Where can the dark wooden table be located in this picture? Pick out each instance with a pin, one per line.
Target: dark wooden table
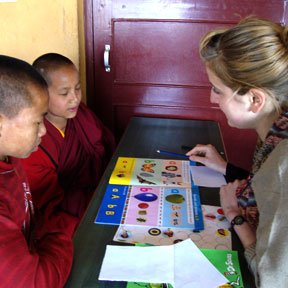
(141, 139)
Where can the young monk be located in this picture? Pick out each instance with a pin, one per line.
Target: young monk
(35, 250)
(247, 66)
(74, 152)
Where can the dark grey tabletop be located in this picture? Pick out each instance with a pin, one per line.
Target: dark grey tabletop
(141, 139)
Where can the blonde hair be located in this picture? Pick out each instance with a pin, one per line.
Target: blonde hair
(252, 54)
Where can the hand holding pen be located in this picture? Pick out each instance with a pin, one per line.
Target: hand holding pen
(208, 156)
(173, 154)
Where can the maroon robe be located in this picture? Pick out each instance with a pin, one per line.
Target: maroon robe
(75, 162)
(38, 255)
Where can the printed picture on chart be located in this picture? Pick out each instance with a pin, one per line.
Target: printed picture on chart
(216, 234)
(170, 207)
(158, 172)
(151, 206)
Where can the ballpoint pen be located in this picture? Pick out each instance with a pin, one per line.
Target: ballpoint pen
(172, 154)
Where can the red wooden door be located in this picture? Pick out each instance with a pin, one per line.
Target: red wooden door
(155, 66)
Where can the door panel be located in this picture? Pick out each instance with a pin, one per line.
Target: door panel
(158, 53)
(155, 65)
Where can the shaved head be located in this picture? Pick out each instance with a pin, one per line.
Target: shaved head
(50, 62)
(16, 79)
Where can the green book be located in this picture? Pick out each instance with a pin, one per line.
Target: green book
(226, 261)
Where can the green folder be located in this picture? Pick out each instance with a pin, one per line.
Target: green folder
(226, 261)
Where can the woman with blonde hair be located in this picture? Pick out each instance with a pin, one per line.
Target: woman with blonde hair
(247, 66)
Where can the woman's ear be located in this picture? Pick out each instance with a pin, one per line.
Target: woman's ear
(257, 99)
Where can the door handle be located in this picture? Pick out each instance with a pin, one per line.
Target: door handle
(106, 58)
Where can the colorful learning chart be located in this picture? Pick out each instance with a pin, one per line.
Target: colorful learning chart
(216, 234)
(151, 172)
(152, 192)
(173, 207)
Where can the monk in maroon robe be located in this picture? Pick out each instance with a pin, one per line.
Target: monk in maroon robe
(36, 248)
(72, 165)
(77, 147)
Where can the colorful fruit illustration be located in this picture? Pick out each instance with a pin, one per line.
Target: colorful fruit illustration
(175, 198)
(146, 197)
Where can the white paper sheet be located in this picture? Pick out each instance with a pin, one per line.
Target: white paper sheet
(138, 264)
(193, 270)
(206, 177)
(183, 265)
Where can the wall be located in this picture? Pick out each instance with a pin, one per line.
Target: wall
(29, 28)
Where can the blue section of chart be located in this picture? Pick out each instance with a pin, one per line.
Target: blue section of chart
(112, 205)
(175, 208)
(197, 210)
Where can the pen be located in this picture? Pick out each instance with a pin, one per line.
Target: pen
(172, 154)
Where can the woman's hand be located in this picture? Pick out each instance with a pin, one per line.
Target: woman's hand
(230, 207)
(208, 156)
(228, 199)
